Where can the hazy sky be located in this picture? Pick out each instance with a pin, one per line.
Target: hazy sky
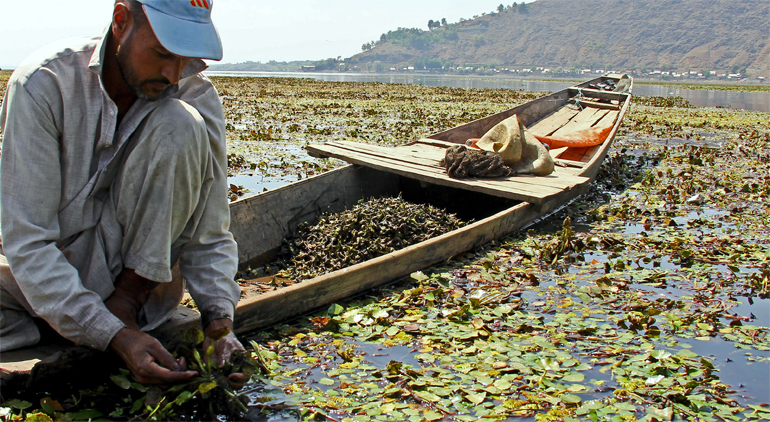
(257, 30)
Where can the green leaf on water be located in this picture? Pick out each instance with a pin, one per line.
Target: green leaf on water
(625, 406)
(476, 398)
(18, 404)
(206, 387)
(183, 397)
(335, 309)
(574, 377)
(138, 404)
(427, 396)
(654, 380)
(326, 381)
(379, 313)
(571, 398)
(687, 354)
(121, 381)
(50, 405)
(440, 391)
(665, 414)
(503, 385)
(760, 409)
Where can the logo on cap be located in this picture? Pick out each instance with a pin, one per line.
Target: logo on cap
(199, 3)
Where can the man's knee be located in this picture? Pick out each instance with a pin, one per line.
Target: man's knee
(175, 127)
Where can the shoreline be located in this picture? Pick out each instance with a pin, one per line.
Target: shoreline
(764, 86)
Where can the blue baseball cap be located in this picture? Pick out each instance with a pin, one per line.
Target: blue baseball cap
(184, 27)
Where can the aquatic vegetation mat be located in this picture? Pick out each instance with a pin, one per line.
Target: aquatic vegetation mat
(646, 299)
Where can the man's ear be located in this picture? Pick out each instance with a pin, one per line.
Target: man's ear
(122, 21)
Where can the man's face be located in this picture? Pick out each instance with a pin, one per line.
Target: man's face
(146, 66)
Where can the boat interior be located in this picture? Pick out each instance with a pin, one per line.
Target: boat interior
(261, 223)
(576, 120)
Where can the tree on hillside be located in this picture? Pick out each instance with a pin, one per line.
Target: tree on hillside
(523, 9)
(513, 6)
(443, 22)
(434, 24)
(500, 8)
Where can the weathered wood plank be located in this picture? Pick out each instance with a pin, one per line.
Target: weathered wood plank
(583, 154)
(608, 120)
(408, 154)
(554, 153)
(503, 187)
(527, 113)
(587, 119)
(430, 155)
(595, 104)
(533, 189)
(554, 122)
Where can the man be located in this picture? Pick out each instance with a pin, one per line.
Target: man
(114, 170)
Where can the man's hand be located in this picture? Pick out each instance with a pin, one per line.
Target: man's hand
(224, 348)
(147, 359)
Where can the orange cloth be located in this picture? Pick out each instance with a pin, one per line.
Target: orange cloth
(582, 138)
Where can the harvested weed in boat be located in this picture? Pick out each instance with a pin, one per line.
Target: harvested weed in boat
(370, 229)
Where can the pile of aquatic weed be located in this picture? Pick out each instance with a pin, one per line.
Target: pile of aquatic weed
(370, 229)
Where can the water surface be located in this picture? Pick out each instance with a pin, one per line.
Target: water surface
(753, 101)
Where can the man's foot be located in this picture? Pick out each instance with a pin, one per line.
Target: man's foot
(131, 292)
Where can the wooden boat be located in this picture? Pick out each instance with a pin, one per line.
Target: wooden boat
(498, 207)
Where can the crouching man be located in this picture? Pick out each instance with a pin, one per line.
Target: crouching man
(113, 171)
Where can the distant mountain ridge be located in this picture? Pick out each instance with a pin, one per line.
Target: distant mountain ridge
(724, 35)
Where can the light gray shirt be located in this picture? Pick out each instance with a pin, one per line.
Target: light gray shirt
(60, 133)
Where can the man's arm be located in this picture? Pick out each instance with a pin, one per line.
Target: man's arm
(209, 259)
(30, 191)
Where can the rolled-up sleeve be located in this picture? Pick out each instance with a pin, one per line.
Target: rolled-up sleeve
(209, 260)
(31, 194)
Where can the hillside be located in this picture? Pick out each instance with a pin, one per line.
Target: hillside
(724, 35)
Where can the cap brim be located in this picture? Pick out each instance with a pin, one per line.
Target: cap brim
(185, 38)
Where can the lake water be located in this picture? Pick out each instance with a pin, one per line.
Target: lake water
(755, 101)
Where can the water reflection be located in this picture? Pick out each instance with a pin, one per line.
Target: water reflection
(754, 101)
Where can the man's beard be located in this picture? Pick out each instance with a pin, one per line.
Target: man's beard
(128, 73)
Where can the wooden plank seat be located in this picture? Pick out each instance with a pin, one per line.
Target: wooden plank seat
(420, 160)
